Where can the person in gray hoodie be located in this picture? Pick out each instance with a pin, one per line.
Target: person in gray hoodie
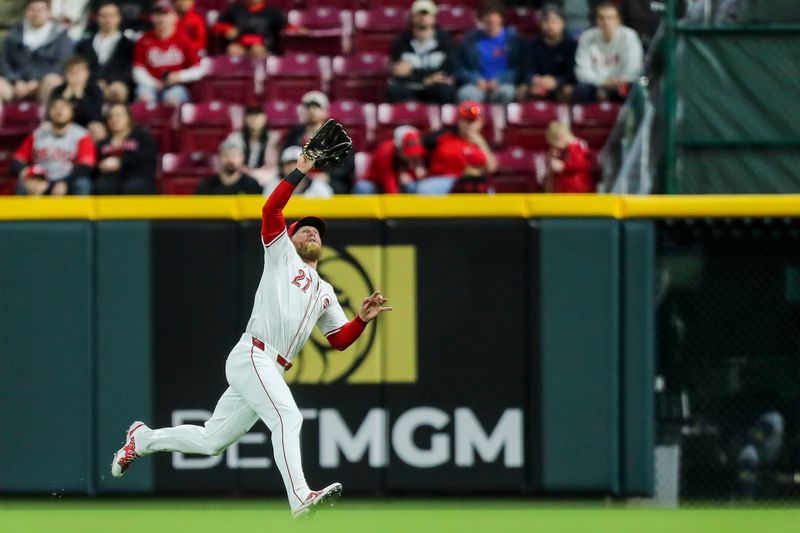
(34, 53)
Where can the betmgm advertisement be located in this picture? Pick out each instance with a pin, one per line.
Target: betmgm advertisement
(420, 402)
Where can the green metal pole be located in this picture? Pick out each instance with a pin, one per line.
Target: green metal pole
(670, 100)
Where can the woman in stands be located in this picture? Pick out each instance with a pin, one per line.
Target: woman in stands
(260, 145)
(126, 159)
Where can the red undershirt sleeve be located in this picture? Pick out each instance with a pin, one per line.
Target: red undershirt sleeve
(347, 335)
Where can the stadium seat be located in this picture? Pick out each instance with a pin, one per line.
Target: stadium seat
(282, 114)
(518, 170)
(160, 119)
(290, 76)
(350, 5)
(377, 28)
(494, 121)
(458, 20)
(422, 116)
(360, 77)
(180, 173)
(17, 120)
(229, 79)
(318, 30)
(358, 119)
(525, 19)
(203, 126)
(526, 124)
(593, 122)
(8, 183)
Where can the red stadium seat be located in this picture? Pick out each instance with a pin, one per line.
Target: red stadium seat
(518, 170)
(422, 116)
(17, 121)
(282, 114)
(180, 173)
(377, 28)
(350, 5)
(290, 76)
(229, 79)
(358, 119)
(527, 123)
(160, 119)
(203, 126)
(458, 20)
(318, 30)
(593, 122)
(360, 77)
(525, 19)
(8, 183)
(494, 121)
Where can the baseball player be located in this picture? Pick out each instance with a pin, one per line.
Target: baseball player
(290, 299)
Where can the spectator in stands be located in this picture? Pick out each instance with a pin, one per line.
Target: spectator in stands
(33, 56)
(490, 58)
(110, 54)
(84, 94)
(191, 24)
(72, 15)
(135, 14)
(423, 60)
(315, 114)
(260, 145)
(569, 162)
(453, 150)
(164, 60)
(309, 188)
(396, 164)
(57, 158)
(608, 59)
(251, 27)
(551, 60)
(127, 158)
(230, 179)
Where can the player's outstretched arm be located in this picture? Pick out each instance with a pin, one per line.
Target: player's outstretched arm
(272, 221)
(371, 307)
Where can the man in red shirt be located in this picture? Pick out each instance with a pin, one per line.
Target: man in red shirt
(453, 151)
(164, 59)
(191, 24)
(570, 162)
(396, 164)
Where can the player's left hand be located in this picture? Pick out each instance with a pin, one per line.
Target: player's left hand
(372, 306)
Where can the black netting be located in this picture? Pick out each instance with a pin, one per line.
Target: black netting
(729, 356)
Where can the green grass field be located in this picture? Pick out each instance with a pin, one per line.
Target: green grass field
(487, 516)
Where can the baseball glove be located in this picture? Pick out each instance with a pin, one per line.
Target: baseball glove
(329, 145)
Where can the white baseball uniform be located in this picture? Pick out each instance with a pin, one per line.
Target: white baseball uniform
(290, 299)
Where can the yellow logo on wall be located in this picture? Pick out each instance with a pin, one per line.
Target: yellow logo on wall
(387, 351)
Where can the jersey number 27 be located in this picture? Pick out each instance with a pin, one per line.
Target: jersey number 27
(301, 275)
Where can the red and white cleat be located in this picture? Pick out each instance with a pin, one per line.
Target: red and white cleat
(127, 454)
(317, 498)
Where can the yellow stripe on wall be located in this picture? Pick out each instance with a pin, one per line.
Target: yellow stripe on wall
(401, 206)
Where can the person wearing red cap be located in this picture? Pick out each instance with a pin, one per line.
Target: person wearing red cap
(291, 298)
(396, 164)
(453, 150)
(164, 60)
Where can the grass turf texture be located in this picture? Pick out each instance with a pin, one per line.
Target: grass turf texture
(236, 516)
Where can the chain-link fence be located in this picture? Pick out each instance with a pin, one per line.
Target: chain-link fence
(729, 357)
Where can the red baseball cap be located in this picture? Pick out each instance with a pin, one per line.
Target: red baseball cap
(411, 144)
(314, 222)
(162, 6)
(474, 156)
(469, 110)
